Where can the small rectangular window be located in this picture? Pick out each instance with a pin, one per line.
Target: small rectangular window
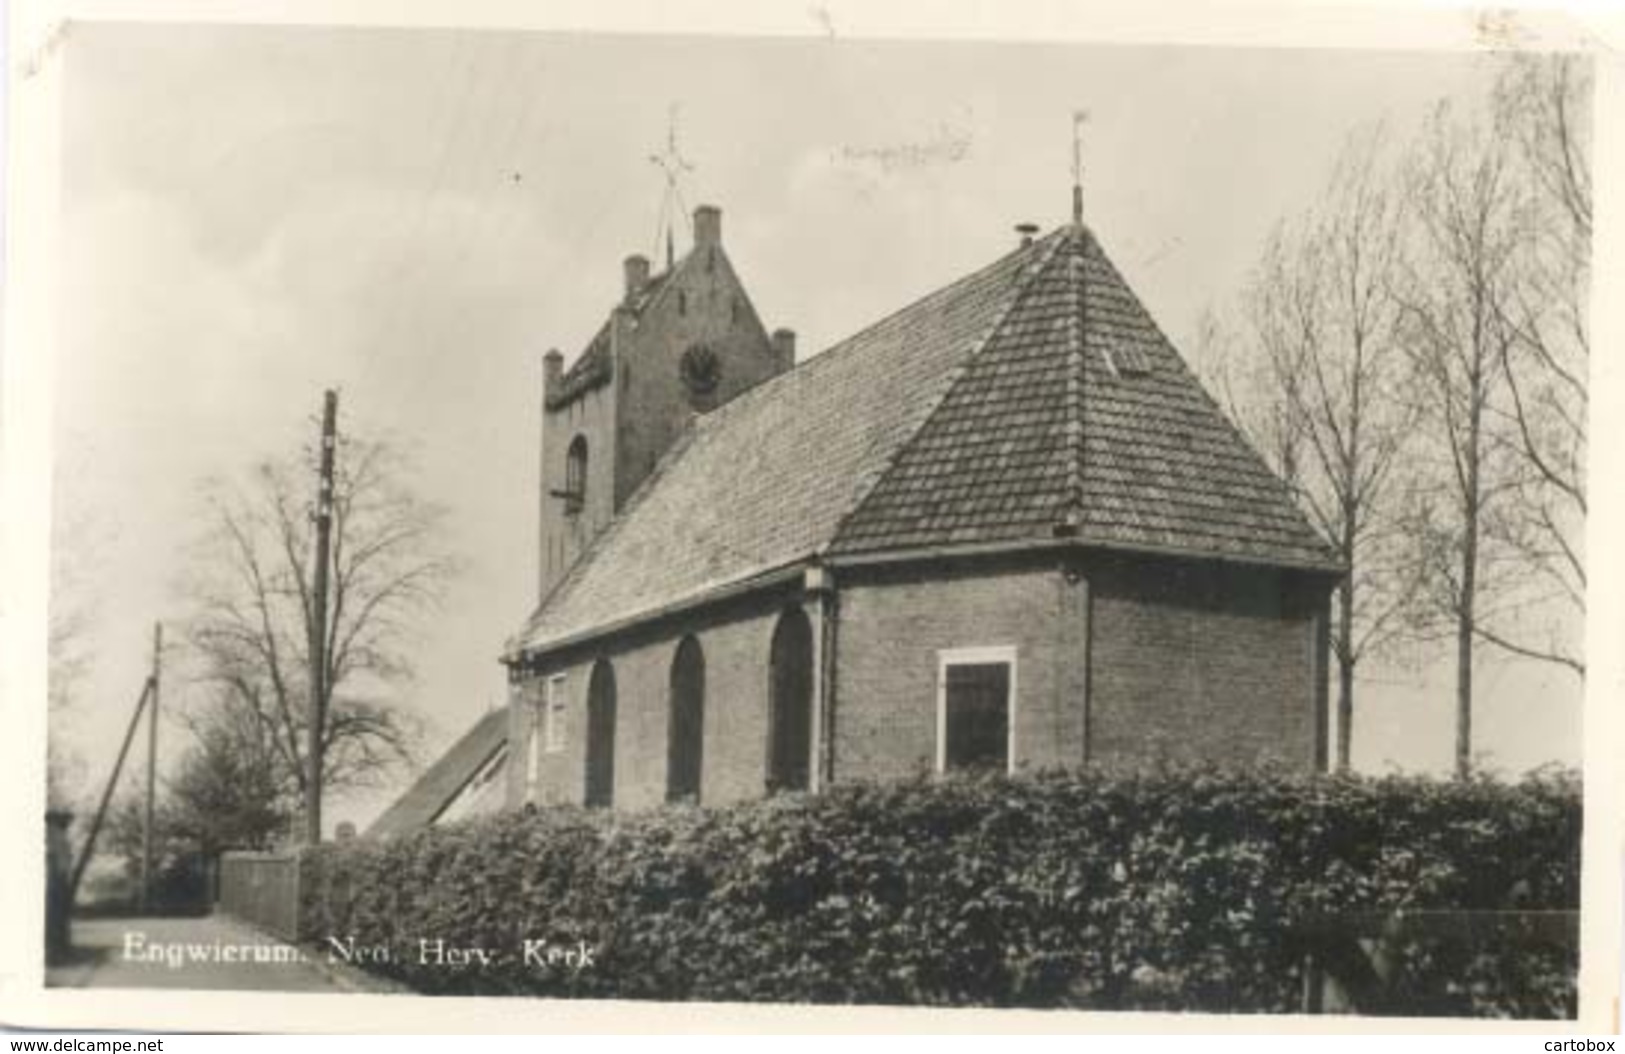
(976, 709)
(554, 716)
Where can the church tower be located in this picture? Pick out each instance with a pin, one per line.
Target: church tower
(681, 342)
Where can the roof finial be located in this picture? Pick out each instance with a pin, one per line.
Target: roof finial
(673, 164)
(1078, 119)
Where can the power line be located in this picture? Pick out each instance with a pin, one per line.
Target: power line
(492, 228)
(395, 283)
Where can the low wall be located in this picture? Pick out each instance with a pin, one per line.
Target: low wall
(262, 889)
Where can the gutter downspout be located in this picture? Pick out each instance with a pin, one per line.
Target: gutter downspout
(826, 602)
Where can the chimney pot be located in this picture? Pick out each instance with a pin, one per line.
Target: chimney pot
(784, 343)
(552, 372)
(707, 225)
(636, 269)
(1027, 231)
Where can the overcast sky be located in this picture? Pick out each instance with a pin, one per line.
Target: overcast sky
(252, 215)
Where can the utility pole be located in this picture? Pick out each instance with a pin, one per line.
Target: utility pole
(89, 849)
(152, 768)
(318, 621)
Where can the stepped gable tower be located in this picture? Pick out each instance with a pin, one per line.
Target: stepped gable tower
(678, 343)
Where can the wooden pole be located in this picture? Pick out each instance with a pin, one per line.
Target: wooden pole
(152, 768)
(107, 793)
(318, 621)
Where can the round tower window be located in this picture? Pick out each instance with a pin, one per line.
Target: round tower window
(701, 370)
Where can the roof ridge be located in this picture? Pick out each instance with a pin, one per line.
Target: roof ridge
(1048, 247)
(1077, 337)
(823, 358)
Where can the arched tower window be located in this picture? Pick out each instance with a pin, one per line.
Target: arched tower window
(685, 735)
(600, 790)
(575, 475)
(789, 703)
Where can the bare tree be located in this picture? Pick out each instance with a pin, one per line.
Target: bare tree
(69, 625)
(1322, 311)
(65, 667)
(252, 602)
(1543, 103)
(1415, 368)
(1473, 236)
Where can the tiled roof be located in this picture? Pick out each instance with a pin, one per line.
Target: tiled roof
(995, 459)
(1080, 414)
(1031, 399)
(445, 779)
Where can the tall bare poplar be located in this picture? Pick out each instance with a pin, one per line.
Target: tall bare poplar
(1322, 310)
(1544, 105)
(1472, 232)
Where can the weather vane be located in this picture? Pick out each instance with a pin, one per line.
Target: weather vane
(1079, 117)
(672, 164)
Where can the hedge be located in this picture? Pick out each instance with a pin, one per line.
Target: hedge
(1169, 890)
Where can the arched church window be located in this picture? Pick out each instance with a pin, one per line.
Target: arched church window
(575, 475)
(600, 790)
(789, 703)
(685, 730)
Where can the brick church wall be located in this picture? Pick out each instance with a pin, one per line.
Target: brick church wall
(1195, 661)
(889, 637)
(522, 695)
(736, 653)
(1117, 661)
(735, 748)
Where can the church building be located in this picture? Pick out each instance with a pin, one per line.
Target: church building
(1003, 528)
